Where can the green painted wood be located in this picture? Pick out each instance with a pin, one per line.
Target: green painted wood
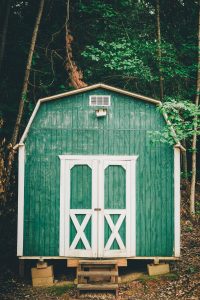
(81, 198)
(69, 126)
(115, 187)
(115, 198)
(81, 187)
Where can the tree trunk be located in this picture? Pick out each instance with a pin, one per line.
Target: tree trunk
(194, 139)
(23, 94)
(159, 49)
(75, 75)
(27, 74)
(3, 33)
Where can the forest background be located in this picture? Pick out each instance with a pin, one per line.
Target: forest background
(52, 46)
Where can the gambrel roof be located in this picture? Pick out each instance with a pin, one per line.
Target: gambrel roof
(92, 87)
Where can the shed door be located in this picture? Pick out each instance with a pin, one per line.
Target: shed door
(114, 219)
(81, 219)
(96, 196)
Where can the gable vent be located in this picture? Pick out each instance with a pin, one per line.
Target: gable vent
(99, 100)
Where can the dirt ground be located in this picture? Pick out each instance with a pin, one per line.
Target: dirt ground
(182, 283)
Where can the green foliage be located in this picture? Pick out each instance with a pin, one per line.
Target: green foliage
(192, 269)
(137, 59)
(181, 115)
(105, 10)
(119, 56)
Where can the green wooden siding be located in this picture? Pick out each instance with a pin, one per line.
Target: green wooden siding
(81, 187)
(70, 126)
(115, 198)
(81, 198)
(115, 187)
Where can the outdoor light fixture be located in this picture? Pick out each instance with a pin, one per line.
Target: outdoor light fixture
(101, 112)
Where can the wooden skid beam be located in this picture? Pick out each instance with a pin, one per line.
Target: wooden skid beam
(74, 262)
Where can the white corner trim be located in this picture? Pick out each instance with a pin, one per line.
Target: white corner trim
(133, 208)
(20, 220)
(30, 122)
(177, 196)
(62, 208)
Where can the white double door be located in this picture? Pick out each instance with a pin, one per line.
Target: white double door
(97, 208)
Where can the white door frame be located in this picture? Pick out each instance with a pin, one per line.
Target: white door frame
(67, 162)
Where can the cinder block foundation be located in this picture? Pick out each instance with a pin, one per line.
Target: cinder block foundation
(42, 276)
(159, 269)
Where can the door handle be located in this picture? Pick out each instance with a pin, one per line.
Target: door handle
(97, 209)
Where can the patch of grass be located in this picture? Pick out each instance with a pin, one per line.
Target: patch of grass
(145, 278)
(188, 228)
(59, 290)
(192, 269)
(169, 276)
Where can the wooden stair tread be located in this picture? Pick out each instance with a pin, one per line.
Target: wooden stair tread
(101, 286)
(97, 273)
(97, 262)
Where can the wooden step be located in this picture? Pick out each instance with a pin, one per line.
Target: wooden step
(97, 273)
(98, 262)
(96, 287)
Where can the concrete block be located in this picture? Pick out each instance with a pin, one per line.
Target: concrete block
(42, 276)
(42, 273)
(159, 269)
(46, 281)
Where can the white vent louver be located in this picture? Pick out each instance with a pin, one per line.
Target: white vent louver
(99, 100)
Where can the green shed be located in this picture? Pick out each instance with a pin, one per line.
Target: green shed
(91, 181)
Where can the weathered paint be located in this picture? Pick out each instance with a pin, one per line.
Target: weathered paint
(70, 126)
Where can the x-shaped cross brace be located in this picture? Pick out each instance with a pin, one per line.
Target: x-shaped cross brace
(115, 232)
(80, 231)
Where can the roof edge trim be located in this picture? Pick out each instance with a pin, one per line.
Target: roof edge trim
(100, 85)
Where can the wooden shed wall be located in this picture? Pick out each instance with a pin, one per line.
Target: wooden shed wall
(69, 126)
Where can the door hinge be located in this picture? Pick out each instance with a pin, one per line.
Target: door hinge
(97, 209)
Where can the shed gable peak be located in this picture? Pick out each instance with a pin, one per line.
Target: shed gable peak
(90, 88)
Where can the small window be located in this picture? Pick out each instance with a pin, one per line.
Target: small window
(99, 100)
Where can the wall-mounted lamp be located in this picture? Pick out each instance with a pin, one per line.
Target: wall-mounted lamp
(101, 112)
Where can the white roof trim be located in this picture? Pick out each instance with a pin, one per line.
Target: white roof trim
(92, 87)
(100, 85)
